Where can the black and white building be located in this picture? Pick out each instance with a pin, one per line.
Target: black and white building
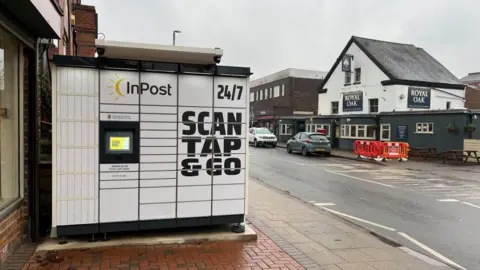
(372, 76)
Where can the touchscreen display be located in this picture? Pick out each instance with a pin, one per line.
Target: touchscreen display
(119, 142)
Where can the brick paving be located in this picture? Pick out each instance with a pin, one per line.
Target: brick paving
(262, 254)
(291, 235)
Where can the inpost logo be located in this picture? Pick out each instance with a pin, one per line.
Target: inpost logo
(117, 80)
(136, 89)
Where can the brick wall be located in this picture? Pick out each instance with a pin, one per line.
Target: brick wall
(300, 95)
(472, 96)
(86, 27)
(304, 94)
(278, 106)
(14, 227)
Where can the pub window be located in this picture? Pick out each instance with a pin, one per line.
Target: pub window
(335, 107)
(424, 128)
(285, 129)
(357, 132)
(348, 77)
(385, 132)
(358, 75)
(373, 105)
(316, 127)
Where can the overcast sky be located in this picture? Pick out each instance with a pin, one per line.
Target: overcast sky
(271, 35)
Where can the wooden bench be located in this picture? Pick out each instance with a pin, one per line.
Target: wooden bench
(424, 152)
(471, 144)
(461, 155)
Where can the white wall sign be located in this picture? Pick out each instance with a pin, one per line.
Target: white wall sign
(230, 92)
(195, 90)
(158, 89)
(118, 167)
(119, 87)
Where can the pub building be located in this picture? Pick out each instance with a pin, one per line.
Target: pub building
(378, 90)
(24, 25)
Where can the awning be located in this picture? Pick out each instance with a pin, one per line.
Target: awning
(161, 53)
(39, 17)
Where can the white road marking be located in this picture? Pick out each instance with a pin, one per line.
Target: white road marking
(324, 204)
(422, 257)
(359, 219)
(431, 251)
(361, 179)
(286, 160)
(353, 171)
(447, 200)
(471, 204)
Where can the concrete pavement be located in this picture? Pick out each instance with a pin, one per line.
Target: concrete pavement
(321, 241)
(427, 211)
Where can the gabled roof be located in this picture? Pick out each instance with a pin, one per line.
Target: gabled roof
(471, 77)
(402, 63)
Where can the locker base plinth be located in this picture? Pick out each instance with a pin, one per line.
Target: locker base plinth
(144, 225)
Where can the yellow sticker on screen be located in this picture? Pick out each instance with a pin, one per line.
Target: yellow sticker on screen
(119, 143)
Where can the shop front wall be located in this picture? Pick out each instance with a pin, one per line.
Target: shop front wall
(323, 123)
(428, 130)
(356, 128)
(476, 122)
(285, 130)
(13, 213)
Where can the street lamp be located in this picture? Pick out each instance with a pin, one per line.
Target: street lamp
(174, 33)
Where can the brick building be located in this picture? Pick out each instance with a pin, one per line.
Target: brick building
(288, 92)
(472, 91)
(31, 32)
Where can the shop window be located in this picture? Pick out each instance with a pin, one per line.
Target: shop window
(385, 132)
(335, 107)
(316, 127)
(366, 132)
(285, 129)
(358, 75)
(9, 119)
(424, 128)
(373, 105)
(348, 78)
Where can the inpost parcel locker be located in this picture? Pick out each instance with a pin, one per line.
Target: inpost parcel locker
(145, 144)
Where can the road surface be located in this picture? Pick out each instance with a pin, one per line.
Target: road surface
(428, 211)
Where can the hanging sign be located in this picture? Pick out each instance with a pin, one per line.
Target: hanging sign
(347, 63)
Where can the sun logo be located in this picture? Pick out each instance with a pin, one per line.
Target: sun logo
(116, 86)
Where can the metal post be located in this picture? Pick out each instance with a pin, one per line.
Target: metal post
(174, 33)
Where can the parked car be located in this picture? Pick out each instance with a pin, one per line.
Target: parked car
(309, 143)
(262, 137)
